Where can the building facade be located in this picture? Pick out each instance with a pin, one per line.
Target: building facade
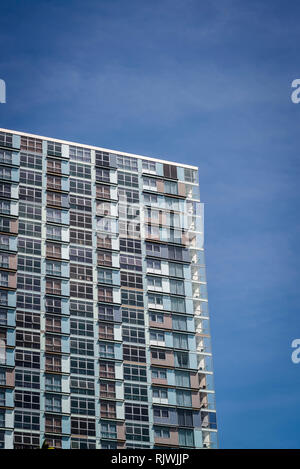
(104, 324)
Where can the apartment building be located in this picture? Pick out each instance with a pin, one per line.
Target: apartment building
(104, 323)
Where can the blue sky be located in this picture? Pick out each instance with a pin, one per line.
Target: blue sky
(207, 83)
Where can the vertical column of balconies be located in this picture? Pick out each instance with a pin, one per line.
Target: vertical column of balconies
(195, 223)
(55, 291)
(9, 178)
(110, 391)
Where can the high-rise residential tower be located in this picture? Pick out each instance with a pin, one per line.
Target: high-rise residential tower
(104, 325)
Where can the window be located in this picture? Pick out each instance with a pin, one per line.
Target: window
(31, 160)
(53, 268)
(26, 441)
(80, 170)
(28, 339)
(53, 363)
(156, 317)
(134, 354)
(137, 432)
(190, 175)
(30, 229)
(81, 328)
(158, 354)
(157, 373)
(106, 331)
(29, 246)
(177, 287)
(131, 280)
(30, 177)
(106, 350)
(54, 182)
(134, 392)
(82, 386)
(77, 443)
(128, 180)
(179, 323)
(133, 316)
(5, 190)
(185, 418)
(186, 437)
(130, 245)
(28, 264)
(81, 308)
(181, 359)
(81, 272)
(5, 207)
(53, 324)
(80, 187)
(80, 237)
(31, 144)
(27, 379)
(102, 175)
(105, 294)
(107, 370)
(108, 430)
(52, 403)
(5, 157)
(53, 287)
(149, 184)
(150, 199)
(53, 343)
(157, 338)
(28, 320)
(27, 359)
(3, 279)
(53, 250)
(82, 220)
(160, 432)
(178, 305)
(53, 383)
(27, 420)
(135, 373)
(53, 166)
(105, 276)
(54, 232)
(54, 149)
(30, 194)
(107, 390)
(80, 154)
(5, 173)
(104, 258)
(82, 347)
(82, 366)
(81, 290)
(131, 262)
(53, 305)
(175, 270)
(108, 410)
(153, 249)
(180, 341)
(29, 301)
(53, 215)
(149, 166)
(170, 171)
(82, 406)
(126, 162)
(155, 301)
(80, 203)
(133, 334)
(132, 298)
(102, 158)
(53, 424)
(136, 412)
(161, 413)
(154, 283)
(128, 195)
(4, 242)
(28, 282)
